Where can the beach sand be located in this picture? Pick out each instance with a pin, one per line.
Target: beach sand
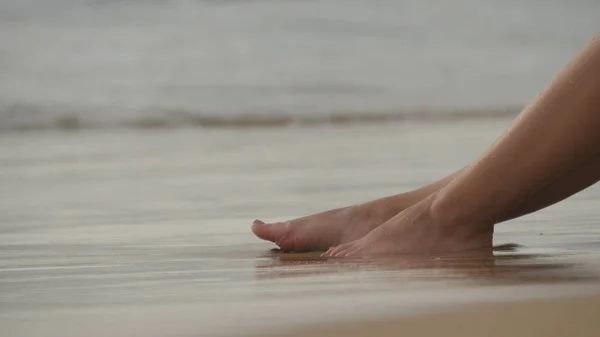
(146, 233)
(574, 316)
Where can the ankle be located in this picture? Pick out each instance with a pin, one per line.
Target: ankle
(458, 216)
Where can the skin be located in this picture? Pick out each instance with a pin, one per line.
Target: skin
(319, 232)
(556, 134)
(550, 152)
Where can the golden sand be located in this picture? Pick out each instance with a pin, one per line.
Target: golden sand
(576, 317)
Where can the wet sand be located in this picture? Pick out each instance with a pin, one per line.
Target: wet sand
(123, 232)
(573, 316)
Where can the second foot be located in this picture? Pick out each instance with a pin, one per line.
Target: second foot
(414, 231)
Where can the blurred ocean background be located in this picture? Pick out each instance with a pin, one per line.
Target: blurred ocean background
(127, 63)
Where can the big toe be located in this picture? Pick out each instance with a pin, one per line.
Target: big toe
(267, 231)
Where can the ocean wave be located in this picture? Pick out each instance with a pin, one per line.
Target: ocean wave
(20, 118)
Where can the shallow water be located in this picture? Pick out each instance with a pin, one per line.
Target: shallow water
(147, 232)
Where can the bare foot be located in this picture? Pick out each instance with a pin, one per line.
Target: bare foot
(321, 231)
(416, 231)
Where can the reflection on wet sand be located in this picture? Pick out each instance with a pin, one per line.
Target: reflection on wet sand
(503, 265)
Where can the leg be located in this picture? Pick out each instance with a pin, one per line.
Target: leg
(568, 184)
(327, 229)
(556, 134)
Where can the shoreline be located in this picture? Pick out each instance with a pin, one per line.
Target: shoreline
(243, 121)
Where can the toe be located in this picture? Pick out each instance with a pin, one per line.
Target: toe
(336, 250)
(267, 231)
(328, 252)
(345, 251)
(283, 234)
(351, 251)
